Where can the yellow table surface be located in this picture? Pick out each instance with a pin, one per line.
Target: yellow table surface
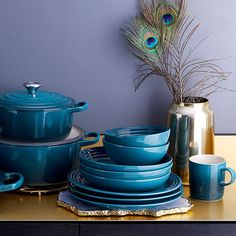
(24, 207)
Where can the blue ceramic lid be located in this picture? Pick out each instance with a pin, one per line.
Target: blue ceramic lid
(32, 99)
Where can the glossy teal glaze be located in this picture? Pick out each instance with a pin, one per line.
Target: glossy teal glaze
(98, 158)
(40, 100)
(48, 124)
(125, 175)
(114, 206)
(139, 136)
(16, 180)
(44, 164)
(127, 155)
(207, 177)
(120, 185)
(117, 200)
(37, 116)
(77, 181)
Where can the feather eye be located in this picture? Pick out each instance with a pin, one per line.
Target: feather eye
(167, 15)
(142, 37)
(151, 40)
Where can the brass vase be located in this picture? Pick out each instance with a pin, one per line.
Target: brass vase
(192, 132)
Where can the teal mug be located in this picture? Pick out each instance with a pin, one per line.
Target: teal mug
(10, 181)
(207, 177)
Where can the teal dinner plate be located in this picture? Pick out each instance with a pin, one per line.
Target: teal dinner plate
(117, 200)
(76, 179)
(112, 206)
(98, 158)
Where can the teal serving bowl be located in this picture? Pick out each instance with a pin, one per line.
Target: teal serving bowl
(125, 175)
(99, 159)
(129, 155)
(139, 136)
(121, 185)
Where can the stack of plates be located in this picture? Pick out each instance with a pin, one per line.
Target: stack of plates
(105, 198)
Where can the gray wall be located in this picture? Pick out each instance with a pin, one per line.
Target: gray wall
(73, 47)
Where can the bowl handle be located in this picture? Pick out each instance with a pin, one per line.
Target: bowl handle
(79, 106)
(16, 180)
(94, 135)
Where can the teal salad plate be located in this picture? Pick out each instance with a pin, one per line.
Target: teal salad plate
(125, 175)
(79, 183)
(132, 185)
(105, 205)
(98, 158)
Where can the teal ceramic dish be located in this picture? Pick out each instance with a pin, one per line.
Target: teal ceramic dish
(10, 181)
(139, 136)
(125, 175)
(121, 185)
(44, 163)
(127, 155)
(37, 115)
(118, 200)
(77, 181)
(98, 158)
(207, 180)
(113, 206)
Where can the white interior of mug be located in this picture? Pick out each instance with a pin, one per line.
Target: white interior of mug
(207, 159)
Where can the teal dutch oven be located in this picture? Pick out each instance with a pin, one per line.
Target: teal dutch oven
(35, 115)
(45, 163)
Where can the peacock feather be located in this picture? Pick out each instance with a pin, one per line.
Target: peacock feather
(158, 36)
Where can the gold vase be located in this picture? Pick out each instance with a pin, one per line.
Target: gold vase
(192, 132)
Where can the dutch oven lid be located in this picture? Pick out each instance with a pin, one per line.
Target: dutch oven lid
(32, 99)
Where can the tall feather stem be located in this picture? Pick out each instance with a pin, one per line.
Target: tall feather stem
(159, 36)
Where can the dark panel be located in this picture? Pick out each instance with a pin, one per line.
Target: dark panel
(39, 229)
(166, 229)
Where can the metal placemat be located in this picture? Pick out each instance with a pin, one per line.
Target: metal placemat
(66, 200)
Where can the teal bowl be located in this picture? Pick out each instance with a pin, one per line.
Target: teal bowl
(120, 185)
(125, 175)
(139, 136)
(129, 155)
(99, 159)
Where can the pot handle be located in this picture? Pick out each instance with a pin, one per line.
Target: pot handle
(93, 135)
(79, 106)
(15, 181)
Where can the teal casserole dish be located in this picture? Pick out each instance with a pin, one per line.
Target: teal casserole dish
(44, 163)
(33, 115)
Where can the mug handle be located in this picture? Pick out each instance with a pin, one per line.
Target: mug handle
(93, 135)
(17, 178)
(232, 174)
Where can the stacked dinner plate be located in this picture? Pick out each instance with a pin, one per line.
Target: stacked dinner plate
(101, 180)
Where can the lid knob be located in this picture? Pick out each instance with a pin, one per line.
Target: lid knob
(32, 87)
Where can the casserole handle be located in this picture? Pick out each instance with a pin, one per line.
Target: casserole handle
(95, 138)
(79, 106)
(15, 181)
